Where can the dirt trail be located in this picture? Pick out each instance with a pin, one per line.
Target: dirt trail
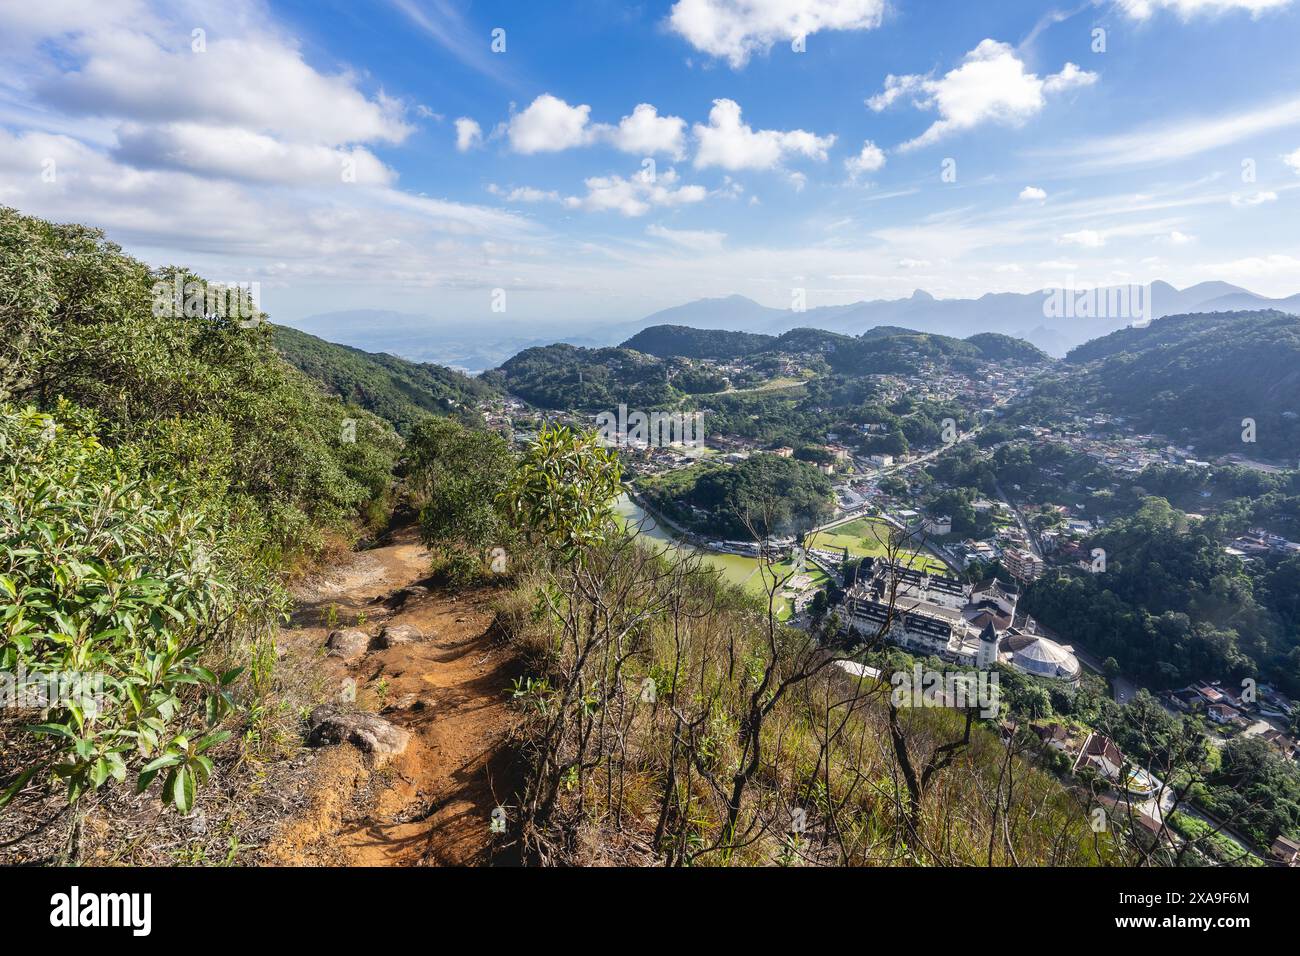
(431, 804)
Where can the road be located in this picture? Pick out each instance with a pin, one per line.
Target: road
(1020, 520)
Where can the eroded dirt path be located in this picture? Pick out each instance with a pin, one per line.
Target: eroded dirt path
(432, 803)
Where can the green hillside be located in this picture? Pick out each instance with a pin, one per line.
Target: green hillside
(398, 391)
(565, 376)
(902, 353)
(164, 469)
(996, 347)
(1196, 377)
(669, 341)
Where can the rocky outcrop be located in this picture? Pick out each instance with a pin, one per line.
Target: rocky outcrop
(348, 644)
(366, 732)
(395, 634)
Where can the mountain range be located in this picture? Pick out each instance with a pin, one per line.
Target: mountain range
(1021, 315)
(475, 347)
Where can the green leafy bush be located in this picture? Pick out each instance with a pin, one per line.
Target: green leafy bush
(112, 590)
(199, 395)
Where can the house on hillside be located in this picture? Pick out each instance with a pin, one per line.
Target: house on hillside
(1285, 851)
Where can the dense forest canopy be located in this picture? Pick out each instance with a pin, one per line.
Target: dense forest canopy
(671, 341)
(568, 377)
(1197, 379)
(764, 494)
(1172, 607)
(996, 347)
(398, 391)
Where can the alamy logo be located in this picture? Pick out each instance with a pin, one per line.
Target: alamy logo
(44, 689)
(1131, 302)
(75, 909)
(656, 430)
(920, 687)
(236, 301)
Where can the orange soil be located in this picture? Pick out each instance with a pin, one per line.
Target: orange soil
(432, 805)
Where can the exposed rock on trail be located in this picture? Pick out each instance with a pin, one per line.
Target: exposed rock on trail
(396, 634)
(419, 784)
(366, 732)
(349, 644)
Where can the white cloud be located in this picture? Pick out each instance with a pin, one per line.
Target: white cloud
(1088, 238)
(524, 194)
(636, 195)
(468, 134)
(1033, 194)
(730, 144)
(736, 29)
(646, 133)
(242, 104)
(239, 158)
(259, 84)
(549, 125)
(1144, 9)
(1254, 199)
(1293, 160)
(991, 85)
(1152, 143)
(1070, 77)
(699, 240)
(210, 223)
(38, 21)
(235, 153)
(871, 159)
(1180, 238)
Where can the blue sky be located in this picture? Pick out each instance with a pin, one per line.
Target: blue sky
(616, 158)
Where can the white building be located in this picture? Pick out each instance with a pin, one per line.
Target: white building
(937, 525)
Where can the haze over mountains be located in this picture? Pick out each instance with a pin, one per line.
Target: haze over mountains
(480, 345)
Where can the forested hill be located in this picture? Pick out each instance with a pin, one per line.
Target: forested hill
(570, 377)
(885, 348)
(1196, 378)
(670, 341)
(398, 391)
(996, 347)
(663, 364)
(906, 352)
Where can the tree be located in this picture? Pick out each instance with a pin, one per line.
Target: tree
(562, 489)
(818, 608)
(1031, 700)
(198, 392)
(112, 589)
(459, 476)
(781, 494)
(893, 485)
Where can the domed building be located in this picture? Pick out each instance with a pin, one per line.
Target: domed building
(1038, 656)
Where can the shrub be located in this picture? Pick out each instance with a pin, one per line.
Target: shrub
(112, 592)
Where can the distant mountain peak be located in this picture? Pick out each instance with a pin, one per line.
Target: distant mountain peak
(920, 295)
(1214, 288)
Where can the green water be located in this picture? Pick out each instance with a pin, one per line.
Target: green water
(736, 568)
